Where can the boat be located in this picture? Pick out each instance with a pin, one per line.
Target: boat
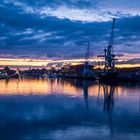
(6, 76)
(79, 71)
(108, 75)
(88, 73)
(17, 74)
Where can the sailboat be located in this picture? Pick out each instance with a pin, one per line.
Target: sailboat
(87, 72)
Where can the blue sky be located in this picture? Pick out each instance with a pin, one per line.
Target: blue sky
(61, 28)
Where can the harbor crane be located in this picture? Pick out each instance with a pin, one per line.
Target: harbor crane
(109, 52)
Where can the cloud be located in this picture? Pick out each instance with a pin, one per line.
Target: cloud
(62, 28)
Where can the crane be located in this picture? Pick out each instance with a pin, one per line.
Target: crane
(109, 52)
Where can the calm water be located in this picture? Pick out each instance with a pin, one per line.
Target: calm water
(68, 110)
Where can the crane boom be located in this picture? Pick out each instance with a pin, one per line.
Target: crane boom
(112, 33)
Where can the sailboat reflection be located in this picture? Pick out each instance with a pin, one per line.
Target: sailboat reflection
(86, 85)
(6, 82)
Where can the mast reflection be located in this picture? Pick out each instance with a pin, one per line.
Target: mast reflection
(108, 104)
(86, 85)
(108, 97)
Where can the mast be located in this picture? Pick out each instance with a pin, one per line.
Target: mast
(87, 53)
(86, 58)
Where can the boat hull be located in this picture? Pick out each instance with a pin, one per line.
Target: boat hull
(108, 76)
(80, 77)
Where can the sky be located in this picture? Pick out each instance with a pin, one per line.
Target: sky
(61, 28)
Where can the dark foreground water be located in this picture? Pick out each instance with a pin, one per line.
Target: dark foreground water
(68, 110)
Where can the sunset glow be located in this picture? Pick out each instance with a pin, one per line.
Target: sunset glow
(46, 62)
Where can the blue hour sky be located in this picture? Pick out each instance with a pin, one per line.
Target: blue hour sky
(61, 28)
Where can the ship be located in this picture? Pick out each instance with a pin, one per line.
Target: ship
(87, 72)
(110, 72)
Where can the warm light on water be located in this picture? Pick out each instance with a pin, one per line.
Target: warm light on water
(57, 109)
(59, 86)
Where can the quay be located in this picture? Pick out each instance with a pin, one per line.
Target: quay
(124, 74)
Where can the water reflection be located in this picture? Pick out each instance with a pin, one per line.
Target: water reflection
(108, 91)
(108, 97)
(108, 104)
(58, 109)
(85, 82)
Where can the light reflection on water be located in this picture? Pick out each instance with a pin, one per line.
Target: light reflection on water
(57, 109)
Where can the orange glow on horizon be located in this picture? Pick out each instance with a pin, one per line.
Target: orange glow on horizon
(45, 62)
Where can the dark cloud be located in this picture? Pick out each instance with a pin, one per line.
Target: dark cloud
(24, 30)
(56, 3)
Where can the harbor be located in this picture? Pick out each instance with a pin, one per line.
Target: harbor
(109, 72)
(70, 70)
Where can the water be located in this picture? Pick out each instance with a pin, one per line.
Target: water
(55, 109)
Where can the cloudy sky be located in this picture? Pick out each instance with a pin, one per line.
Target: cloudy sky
(61, 28)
